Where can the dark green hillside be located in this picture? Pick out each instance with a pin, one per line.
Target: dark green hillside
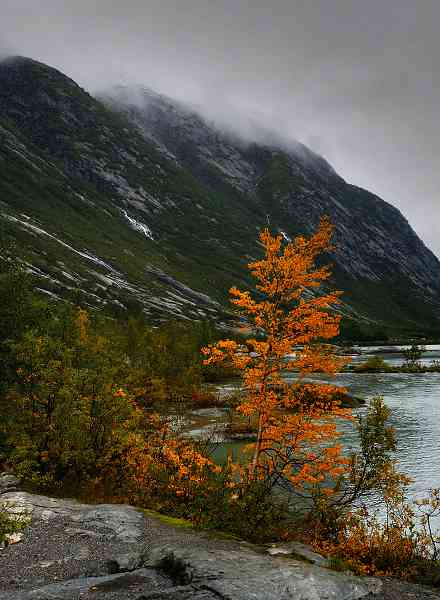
(156, 208)
(79, 166)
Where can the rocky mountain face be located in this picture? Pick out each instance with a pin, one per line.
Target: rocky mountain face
(135, 198)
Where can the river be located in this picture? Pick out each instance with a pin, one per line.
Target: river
(414, 400)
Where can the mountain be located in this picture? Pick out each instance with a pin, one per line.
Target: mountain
(133, 198)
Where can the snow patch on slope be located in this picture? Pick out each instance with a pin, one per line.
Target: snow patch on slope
(138, 226)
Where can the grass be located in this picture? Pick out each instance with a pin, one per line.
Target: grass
(167, 520)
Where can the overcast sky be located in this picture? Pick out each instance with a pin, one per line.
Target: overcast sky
(356, 80)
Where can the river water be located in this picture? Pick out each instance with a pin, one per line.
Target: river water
(414, 400)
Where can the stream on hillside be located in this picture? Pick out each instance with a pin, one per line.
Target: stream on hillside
(414, 400)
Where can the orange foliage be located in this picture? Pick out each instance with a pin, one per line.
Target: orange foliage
(148, 464)
(82, 323)
(401, 544)
(296, 422)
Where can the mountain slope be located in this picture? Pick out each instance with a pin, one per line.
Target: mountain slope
(145, 202)
(379, 261)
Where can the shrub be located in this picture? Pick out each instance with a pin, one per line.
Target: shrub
(64, 406)
(414, 354)
(400, 545)
(374, 364)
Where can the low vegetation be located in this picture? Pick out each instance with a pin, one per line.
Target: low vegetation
(412, 364)
(88, 406)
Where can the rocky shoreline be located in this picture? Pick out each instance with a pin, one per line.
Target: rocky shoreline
(73, 551)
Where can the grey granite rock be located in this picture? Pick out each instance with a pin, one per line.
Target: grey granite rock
(125, 562)
(8, 483)
(121, 586)
(298, 550)
(185, 592)
(238, 572)
(74, 551)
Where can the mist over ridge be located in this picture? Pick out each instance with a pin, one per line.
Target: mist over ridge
(356, 82)
(153, 206)
(241, 129)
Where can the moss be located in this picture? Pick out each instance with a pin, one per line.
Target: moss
(295, 556)
(335, 563)
(167, 520)
(223, 535)
(300, 558)
(185, 524)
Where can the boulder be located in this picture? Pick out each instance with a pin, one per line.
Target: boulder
(300, 551)
(8, 483)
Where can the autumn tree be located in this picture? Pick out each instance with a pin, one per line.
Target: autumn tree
(296, 429)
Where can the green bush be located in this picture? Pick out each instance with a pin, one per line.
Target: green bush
(61, 367)
(375, 364)
(413, 355)
(60, 414)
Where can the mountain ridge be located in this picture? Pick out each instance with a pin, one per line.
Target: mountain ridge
(165, 204)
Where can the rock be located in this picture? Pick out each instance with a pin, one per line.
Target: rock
(349, 401)
(186, 592)
(82, 532)
(73, 551)
(298, 550)
(237, 572)
(121, 586)
(8, 483)
(241, 437)
(14, 538)
(46, 563)
(125, 562)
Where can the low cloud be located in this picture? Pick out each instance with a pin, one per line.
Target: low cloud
(356, 81)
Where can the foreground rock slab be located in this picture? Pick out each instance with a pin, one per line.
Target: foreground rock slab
(73, 551)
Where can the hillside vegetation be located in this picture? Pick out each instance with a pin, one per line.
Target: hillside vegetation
(148, 207)
(88, 407)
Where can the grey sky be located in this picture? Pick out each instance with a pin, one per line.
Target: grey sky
(356, 80)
